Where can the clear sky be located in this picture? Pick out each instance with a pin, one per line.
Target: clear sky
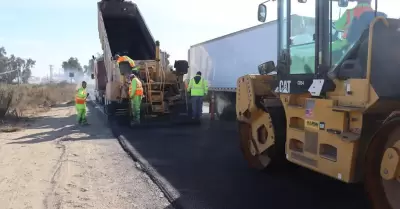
(51, 31)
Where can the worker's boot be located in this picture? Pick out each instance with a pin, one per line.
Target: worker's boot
(84, 123)
(133, 123)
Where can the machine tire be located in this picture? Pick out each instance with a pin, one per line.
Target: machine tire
(373, 181)
(257, 161)
(109, 110)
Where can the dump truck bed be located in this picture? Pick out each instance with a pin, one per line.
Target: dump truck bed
(122, 29)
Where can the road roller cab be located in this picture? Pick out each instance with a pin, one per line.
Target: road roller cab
(332, 105)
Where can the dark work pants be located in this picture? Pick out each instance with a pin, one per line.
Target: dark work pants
(197, 106)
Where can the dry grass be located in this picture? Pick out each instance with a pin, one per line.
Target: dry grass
(31, 98)
(9, 129)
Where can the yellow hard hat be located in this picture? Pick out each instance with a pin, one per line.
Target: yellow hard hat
(133, 63)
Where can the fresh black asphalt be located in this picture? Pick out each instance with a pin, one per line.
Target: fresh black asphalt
(202, 167)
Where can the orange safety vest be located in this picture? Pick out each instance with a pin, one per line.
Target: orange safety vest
(78, 99)
(139, 88)
(121, 59)
(125, 59)
(356, 13)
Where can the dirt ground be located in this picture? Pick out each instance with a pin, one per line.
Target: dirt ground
(53, 163)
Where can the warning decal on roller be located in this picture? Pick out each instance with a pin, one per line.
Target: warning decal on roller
(311, 124)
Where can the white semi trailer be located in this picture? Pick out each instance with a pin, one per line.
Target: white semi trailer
(223, 60)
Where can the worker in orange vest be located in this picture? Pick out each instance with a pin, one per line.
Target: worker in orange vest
(80, 104)
(135, 95)
(126, 59)
(344, 22)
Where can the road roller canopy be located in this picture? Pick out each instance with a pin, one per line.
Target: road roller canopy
(340, 38)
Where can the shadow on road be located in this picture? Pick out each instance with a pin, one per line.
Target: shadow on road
(202, 167)
(49, 128)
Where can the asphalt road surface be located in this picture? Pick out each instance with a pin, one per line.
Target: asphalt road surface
(203, 168)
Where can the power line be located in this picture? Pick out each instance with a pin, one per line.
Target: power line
(7, 72)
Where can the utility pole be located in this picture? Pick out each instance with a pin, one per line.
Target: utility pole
(51, 73)
(19, 77)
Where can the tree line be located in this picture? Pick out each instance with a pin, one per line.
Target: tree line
(14, 68)
(72, 65)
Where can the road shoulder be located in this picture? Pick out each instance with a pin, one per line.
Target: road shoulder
(52, 163)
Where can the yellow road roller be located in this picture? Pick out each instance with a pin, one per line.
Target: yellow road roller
(330, 102)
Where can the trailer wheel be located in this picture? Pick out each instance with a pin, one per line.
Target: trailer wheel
(217, 109)
(383, 194)
(224, 112)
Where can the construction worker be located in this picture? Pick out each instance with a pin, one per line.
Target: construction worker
(198, 88)
(135, 94)
(80, 104)
(126, 59)
(344, 22)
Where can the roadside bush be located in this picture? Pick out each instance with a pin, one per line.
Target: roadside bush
(19, 98)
